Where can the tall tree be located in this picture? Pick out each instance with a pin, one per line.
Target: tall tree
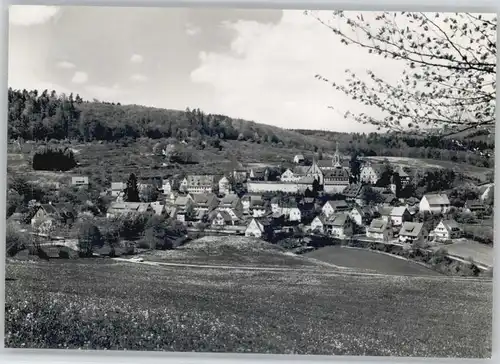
(355, 166)
(132, 191)
(448, 85)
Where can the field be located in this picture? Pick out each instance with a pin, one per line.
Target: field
(99, 304)
(369, 260)
(231, 251)
(480, 253)
(118, 160)
(470, 170)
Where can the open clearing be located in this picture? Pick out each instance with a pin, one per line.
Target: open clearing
(369, 260)
(480, 253)
(97, 304)
(472, 171)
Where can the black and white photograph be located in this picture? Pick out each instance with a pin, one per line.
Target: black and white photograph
(230, 180)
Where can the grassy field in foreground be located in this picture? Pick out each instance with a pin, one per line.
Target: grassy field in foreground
(369, 260)
(233, 251)
(96, 304)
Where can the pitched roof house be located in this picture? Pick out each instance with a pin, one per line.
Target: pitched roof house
(204, 201)
(399, 215)
(474, 206)
(380, 229)
(339, 226)
(412, 232)
(447, 230)
(231, 201)
(63, 213)
(259, 228)
(360, 215)
(318, 224)
(335, 206)
(221, 218)
(435, 203)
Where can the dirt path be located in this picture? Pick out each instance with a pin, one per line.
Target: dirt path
(344, 271)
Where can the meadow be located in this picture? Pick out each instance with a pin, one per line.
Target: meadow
(469, 170)
(370, 260)
(101, 304)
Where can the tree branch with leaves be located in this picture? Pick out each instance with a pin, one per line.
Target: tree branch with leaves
(448, 85)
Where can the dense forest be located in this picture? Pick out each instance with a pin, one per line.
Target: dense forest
(48, 115)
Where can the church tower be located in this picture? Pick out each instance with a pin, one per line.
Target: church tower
(337, 163)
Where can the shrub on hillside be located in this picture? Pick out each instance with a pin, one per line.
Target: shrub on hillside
(15, 240)
(54, 160)
(89, 237)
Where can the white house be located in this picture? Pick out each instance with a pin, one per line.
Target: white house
(399, 215)
(369, 174)
(357, 215)
(294, 214)
(380, 229)
(257, 228)
(80, 181)
(117, 187)
(333, 207)
(412, 232)
(221, 218)
(339, 226)
(435, 203)
(447, 230)
(298, 158)
(166, 187)
(318, 224)
(224, 186)
(289, 176)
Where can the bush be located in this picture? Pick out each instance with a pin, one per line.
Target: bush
(15, 241)
(89, 237)
(54, 160)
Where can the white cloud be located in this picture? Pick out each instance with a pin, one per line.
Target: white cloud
(80, 77)
(268, 75)
(65, 65)
(26, 15)
(136, 58)
(192, 30)
(138, 78)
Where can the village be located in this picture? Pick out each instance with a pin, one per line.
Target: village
(317, 199)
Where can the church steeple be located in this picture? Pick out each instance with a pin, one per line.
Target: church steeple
(336, 157)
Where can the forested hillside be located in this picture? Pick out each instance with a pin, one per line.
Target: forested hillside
(48, 115)
(476, 148)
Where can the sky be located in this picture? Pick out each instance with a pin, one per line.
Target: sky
(257, 65)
